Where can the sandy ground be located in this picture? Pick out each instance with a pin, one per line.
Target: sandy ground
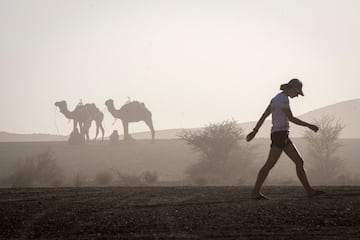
(178, 213)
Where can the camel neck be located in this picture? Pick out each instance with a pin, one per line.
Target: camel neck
(67, 113)
(114, 112)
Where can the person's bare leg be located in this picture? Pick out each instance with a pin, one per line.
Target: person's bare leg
(273, 157)
(295, 156)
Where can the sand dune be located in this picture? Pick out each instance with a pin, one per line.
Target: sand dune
(348, 113)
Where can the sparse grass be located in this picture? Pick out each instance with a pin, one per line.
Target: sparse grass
(80, 180)
(150, 177)
(146, 178)
(39, 170)
(170, 158)
(126, 179)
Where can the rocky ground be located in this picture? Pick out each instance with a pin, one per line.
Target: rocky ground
(178, 213)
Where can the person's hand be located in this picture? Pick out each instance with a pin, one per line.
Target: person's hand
(251, 135)
(314, 127)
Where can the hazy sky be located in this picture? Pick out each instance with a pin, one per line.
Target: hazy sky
(191, 62)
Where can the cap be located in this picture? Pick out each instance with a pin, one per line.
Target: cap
(297, 85)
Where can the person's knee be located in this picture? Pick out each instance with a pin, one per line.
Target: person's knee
(267, 166)
(299, 163)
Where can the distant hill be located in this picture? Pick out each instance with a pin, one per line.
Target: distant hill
(347, 112)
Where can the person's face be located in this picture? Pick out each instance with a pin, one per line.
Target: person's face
(293, 93)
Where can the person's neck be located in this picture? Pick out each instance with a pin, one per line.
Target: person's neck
(285, 92)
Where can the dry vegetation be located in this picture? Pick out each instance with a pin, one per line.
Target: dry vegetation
(85, 165)
(223, 158)
(170, 160)
(41, 170)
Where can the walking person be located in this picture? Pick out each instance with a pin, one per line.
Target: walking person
(281, 113)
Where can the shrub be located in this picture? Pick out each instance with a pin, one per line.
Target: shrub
(238, 170)
(39, 170)
(56, 183)
(223, 160)
(80, 180)
(128, 179)
(150, 177)
(145, 178)
(104, 177)
(322, 148)
(216, 141)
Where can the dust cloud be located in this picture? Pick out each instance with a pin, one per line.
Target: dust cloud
(163, 163)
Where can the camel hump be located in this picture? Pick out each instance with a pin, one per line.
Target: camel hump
(80, 108)
(134, 106)
(135, 103)
(92, 109)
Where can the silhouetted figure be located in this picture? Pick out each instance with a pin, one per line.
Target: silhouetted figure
(76, 138)
(114, 138)
(83, 115)
(80, 104)
(279, 107)
(133, 111)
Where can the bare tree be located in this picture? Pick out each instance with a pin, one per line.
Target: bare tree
(323, 147)
(214, 141)
(220, 152)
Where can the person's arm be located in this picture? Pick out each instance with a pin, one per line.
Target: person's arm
(299, 122)
(251, 135)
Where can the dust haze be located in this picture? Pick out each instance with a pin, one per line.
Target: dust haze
(127, 119)
(161, 154)
(167, 162)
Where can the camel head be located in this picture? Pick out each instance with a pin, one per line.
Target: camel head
(109, 103)
(61, 104)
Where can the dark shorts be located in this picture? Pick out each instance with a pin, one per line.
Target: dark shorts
(280, 139)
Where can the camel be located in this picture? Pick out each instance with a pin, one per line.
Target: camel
(131, 112)
(83, 115)
(78, 115)
(94, 115)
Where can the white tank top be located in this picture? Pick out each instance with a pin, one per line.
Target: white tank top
(280, 121)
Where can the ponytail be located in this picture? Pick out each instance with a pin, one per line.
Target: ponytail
(283, 86)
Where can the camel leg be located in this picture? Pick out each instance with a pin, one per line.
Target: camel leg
(75, 123)
(99, 126)
(81, 128)
(97, 131)
(126, 130)
(86, 127)
(100, 119)
(102, 132)
(87, 131)
(149, 123)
